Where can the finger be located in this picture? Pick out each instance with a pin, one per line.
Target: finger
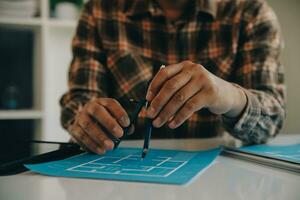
(105, 119)
(169, 88)
(194, 104)
(85, 141)
(95, 132)
(72, 131)
(162, 76)
(176, 102)
(82, 146)
(116, 110)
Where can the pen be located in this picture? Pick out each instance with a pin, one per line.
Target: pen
(148, 129)
(148, 134)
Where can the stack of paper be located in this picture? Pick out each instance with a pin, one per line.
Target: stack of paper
(283, 157)
(18, 8)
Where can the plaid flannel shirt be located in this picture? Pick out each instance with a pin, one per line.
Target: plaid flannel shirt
(120, 44)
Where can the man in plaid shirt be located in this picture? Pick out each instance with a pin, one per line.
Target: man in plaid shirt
(222, 70)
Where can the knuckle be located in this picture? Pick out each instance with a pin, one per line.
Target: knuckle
(112, 125)
(120, 114)
(163, 116)
(85, 123)
(90, 146)
(104, 101)
(91, 108)
(186, 62)
(196, 69)
(101, 137)
(155, 103)
(164, 72)
(199, 78)
(113, 101)
(187, 73)
(171, 85)
(190, 105)
(179, 118)
(179, 98)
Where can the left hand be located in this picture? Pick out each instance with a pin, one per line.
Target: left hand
(179, 90)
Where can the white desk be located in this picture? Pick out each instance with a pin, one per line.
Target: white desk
(226, 179)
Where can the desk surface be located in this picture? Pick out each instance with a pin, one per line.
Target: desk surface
(227, 179)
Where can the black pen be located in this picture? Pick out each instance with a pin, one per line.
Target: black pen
(148, 134)
(148, 129)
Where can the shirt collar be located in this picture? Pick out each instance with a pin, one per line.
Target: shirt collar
(142, 7)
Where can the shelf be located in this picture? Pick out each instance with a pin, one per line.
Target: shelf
(20, 114)
(62, 23)
(20, 21)
(36, 22)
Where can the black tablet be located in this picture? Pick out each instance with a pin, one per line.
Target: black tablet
(14, 156)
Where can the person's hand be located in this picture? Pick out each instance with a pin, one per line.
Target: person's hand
(98, 118)
(179, 90)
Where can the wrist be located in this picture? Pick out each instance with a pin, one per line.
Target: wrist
(238, 102)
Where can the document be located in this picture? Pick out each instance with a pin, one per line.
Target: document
(125, 164)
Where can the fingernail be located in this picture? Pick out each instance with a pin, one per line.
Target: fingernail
(117, 131)
(108, 144)
(150, 112)
(172, 125)
(156, 122)
(149, 95)
(100, 150)
(125, 121)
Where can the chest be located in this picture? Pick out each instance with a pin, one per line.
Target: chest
(212, 44)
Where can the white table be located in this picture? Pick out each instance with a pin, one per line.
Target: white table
(226, 179)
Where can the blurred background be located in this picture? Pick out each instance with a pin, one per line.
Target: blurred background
(35, 52)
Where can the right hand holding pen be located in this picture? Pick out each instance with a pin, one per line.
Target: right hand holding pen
(92, 123)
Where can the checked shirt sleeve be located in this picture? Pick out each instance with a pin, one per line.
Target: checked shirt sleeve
(260, 75)
(86, 73)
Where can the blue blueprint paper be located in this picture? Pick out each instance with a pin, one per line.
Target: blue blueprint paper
(159, 166)
(287, 152)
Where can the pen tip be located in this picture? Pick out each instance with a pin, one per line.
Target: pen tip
(144, 153)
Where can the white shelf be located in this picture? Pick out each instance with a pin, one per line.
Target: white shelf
(20, 21)
(52, 56)
(20, 114)
(62, 23)
(36, 22)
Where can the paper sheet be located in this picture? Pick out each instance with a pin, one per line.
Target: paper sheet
(159, 166)
(287, 152)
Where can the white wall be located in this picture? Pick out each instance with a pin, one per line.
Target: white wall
(59, 57)
(289, 17)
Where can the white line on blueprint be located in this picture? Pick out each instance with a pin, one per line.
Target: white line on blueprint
(124, 158)
(163, 172)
